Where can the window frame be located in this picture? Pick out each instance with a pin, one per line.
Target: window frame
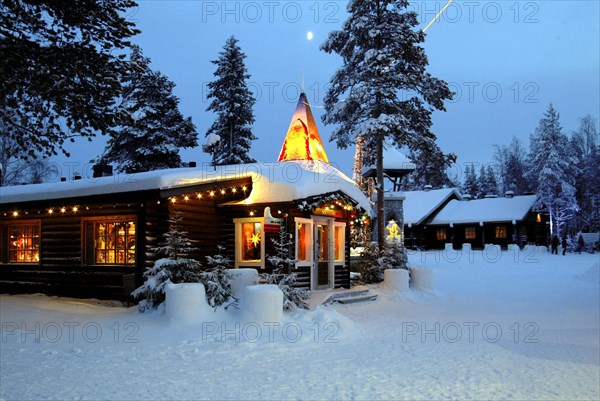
(470, 229)
(238, 242)
(90, 242)
(503, 228)
(439, 231)
(310, 250)
(342, 227)
(5, 228)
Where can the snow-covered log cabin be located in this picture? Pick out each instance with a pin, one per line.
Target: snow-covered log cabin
(95, 237)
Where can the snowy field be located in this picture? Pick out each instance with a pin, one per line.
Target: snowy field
(522, 326)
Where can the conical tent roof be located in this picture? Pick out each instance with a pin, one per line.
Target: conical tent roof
(303, 141)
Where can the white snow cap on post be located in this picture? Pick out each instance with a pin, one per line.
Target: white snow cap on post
(240, 279)
(263, 303)
(422, 278)
(186, 303)
(396, 279)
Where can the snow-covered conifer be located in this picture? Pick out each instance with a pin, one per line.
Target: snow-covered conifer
(174, 267)
(282, 276)
(232, 102)
(383, 60)
(216, 281)
(153, 129)
(552, 171)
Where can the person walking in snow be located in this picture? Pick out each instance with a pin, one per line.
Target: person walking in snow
(555, 242)
(563, 244)
(580, 244)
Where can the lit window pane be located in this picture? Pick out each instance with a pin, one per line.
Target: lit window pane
(251, 238)
(24, 244)
(115, 243)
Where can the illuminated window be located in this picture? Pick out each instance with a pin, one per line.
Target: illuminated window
(303, 242)
(251, 241)
(440, 234)
(470, 233)
(322, 242)
(538, 218)
(339, 233)
(24, 243)
(500, 231)
(110, 242)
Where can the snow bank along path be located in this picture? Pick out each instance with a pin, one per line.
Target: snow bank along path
(519, 326)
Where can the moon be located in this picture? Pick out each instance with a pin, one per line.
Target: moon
(309, 35)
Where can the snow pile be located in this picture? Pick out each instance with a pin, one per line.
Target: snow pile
(186, 303)
(396, 279)
(263, 303)
(421, 278)
(241, 278)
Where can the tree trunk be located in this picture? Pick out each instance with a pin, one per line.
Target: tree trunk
(380, 200)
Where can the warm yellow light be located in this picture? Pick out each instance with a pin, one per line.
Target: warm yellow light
(62, 209)
(199, 196)
(251, 213)
(234, 190)
(187, 198)
(173, 200)
(50, 211)
(212, 193)
(222, 192)
(244, 188)
(75, 209)
(15, 214)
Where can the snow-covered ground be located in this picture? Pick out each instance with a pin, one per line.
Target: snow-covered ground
(525, 326)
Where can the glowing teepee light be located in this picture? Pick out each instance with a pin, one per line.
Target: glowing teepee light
(303, 141)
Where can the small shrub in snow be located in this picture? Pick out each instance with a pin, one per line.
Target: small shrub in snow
(173, 268)
(282, 275)
(373, 262)
(216, 280)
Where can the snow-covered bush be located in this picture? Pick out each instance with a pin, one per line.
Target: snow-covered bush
(173, 268)
(373, 262)
(282, 275)
(216, 280)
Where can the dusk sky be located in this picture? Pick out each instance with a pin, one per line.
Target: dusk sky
(506, 61)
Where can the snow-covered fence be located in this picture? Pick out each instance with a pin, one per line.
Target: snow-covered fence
(240, 279)
(421, 278)
(466, 247)
(396, 279)
(263, 303)
(448, 247)
(186, 302)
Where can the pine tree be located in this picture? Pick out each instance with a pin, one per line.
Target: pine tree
(154, 130)
(282, 274)
(174, 267)
(510, 161)
(232, 102)
(59, 70)
(584, 147)
(552, 171)
(431, 165)
(216, 280)
(470, 182)
(491, 182)
(382, 57)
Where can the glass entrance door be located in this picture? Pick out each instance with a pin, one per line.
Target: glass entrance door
(322, 255)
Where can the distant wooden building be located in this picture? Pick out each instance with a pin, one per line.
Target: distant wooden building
(94, 237)
(491, 220)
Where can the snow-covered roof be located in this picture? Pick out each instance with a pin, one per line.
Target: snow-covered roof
(485, 210)
(271, 182)
(393, 160)
(419, 205)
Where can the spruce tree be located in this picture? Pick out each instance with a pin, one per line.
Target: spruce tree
(470, 182)
(383, 61)
(552, 171)
(175, 267)
(216, 281)
(232, 102)
(60, 68)
(282, 274)
(431, 165)
(154, 129)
